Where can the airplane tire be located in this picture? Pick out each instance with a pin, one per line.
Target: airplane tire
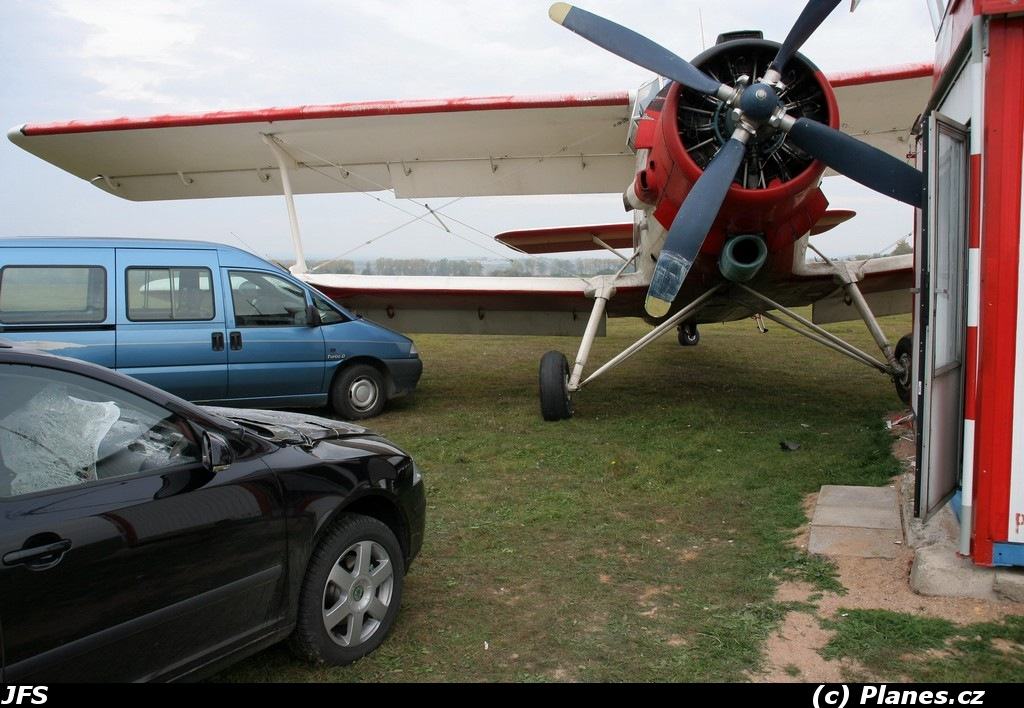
(689, 336)
(904, 356)
(555, 401)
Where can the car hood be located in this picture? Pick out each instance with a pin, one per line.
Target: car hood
(288, 427)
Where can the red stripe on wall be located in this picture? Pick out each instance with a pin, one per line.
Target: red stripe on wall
(1004, 111)
(971, 378)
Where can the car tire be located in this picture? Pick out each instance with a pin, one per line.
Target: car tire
(351, 592)
(905, 358)
(359, 391)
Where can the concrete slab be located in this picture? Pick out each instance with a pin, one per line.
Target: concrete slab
(856, 521)
(848, 541)
(858, 517)
(1009, 584)
(847, 496)
(939, 572)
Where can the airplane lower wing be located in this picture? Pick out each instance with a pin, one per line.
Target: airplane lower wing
(561, 306)
(473, 305)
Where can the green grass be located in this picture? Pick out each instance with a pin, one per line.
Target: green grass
(924, 649)
(644, 539)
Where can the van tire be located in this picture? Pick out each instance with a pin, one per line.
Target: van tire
(359, 391)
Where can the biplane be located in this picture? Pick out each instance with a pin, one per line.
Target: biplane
(719, 161)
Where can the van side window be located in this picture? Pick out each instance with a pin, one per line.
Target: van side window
(328, 314)
(169, 294)
(53, 294)
(264, 300)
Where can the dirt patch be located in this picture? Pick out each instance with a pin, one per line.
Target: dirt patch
(795, 591)
(794, 651)
(688, 555)
(1008, 647)
(875, 583)
(803, 533)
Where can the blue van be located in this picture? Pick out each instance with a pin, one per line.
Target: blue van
(207, 322)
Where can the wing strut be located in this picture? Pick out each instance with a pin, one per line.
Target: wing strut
(284, 163)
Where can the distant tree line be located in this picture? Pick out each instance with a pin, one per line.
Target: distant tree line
(900, 249)
(508, 268)
(522, 267)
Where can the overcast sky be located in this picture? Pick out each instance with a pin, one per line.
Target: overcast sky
(91, 59)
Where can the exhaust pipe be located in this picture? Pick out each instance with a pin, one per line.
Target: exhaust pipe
(742, 258)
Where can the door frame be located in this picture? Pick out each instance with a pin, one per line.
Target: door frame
(937, 124)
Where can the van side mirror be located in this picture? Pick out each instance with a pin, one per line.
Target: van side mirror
(217, 455)
(312, 316)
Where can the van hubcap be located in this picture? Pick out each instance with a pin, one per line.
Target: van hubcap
(362, 394)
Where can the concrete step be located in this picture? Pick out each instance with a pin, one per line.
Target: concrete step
(856, 521)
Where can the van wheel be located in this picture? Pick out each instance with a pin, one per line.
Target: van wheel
(351, 592)
(358, 392)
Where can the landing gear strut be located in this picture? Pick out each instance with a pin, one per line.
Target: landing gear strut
(688, 334)
(558, 382)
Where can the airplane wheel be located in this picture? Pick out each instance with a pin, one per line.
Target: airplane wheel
(904, 357)
(688, 334)
(555, 401)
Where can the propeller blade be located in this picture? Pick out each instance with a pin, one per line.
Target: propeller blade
(810, 20)
(859, 161)
(691, 226)
(633, 47)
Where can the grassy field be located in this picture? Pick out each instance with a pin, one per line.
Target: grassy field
(644, 539)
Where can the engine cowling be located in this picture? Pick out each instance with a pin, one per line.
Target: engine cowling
(775, 194)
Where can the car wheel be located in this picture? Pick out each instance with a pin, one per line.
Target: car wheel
(351, 593)
(358, 392)
(904, 357)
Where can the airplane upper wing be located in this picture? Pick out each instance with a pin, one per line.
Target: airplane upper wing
(567, 144)
(880, 107)
(573, 144)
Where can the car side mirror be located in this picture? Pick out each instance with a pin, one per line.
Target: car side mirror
(217, 455)
(313, 316)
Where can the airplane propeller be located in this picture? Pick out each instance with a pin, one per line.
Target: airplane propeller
(754, 106)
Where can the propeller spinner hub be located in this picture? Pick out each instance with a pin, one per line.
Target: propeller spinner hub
(759, 102)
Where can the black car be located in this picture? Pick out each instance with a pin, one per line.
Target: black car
(146, 538)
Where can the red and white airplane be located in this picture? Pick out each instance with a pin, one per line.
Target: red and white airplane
(721, 164)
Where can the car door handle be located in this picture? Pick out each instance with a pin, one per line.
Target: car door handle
(236, 341)
(48, 554)
(218, 341)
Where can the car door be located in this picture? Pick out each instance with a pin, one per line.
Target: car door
(123, 555)
(170, 321)
(274, 355)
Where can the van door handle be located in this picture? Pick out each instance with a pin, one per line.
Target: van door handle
(218, 341)
(236, 341)
(47, 555)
